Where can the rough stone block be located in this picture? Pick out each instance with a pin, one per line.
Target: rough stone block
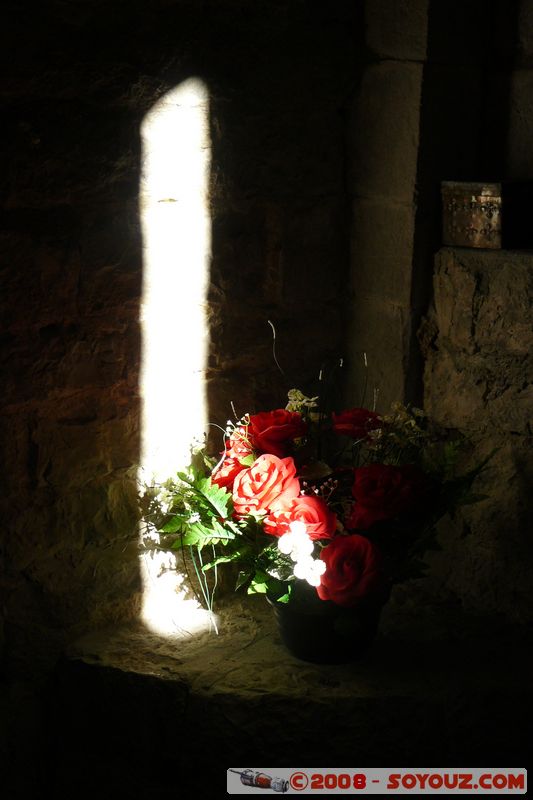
(454, 294)
(73, 453)
(473, 393)
(41, 278)
(292, 148)
(382, 249)
(386, 120)
(397, 28)
(381, 330)
(62, 152)
(483, 301)
(479, 380)
(279, 254)
(486, 557)
(314, 256)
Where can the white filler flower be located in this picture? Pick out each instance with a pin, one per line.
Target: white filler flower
(310, 570)
(297, 544)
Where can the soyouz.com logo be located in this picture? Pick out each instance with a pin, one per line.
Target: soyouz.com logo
(444, 780)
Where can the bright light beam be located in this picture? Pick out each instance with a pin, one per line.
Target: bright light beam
(176, 230)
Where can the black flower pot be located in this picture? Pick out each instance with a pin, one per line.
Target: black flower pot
(325, 633)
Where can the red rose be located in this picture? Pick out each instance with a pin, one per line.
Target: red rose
(353, 572)
(238, 448)
(272, 431)
(356, 422)
(238, 445)
(383, 492)
(269, 484)
(225, 475)
(320, 522)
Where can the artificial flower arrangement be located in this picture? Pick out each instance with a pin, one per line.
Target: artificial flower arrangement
(316, 510)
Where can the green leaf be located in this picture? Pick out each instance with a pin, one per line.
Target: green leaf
(257, 587)
(214, 499)
(208, 535)
(174, 525)
(217, 496)
(237, 554)
(281, 591)
(190, 537)
(218, 560)
(247, 461)
(223, 531)
(201, 529)
(242, 578)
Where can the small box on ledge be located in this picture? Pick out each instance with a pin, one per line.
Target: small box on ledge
(487, 215)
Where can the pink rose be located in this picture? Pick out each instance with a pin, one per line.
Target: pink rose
(320, 522)
(225, 475)
(238, 448)
(269, 484)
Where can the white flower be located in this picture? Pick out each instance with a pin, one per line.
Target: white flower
(303, 568)
(298, 401)
(296, 543)
(285, 543)
(310, 570)
(302, 548)
(298, 527)
(319, 567)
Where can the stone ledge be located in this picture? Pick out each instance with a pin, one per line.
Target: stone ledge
(247, 657)
(210, 702)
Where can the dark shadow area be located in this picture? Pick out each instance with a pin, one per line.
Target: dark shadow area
(146, 720)
(464, 124)
(78, 80)
(280, 94)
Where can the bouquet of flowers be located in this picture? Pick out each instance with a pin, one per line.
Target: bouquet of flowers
(314, 507)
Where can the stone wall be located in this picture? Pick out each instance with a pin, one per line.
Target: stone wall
(279, 202)
(479, 381)
(330, 136)
(78, 79)
(385, 142)
(432, 105)
(71, 278)
(331, 129)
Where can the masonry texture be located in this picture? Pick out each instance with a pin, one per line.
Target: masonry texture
(424, 111)
(77, 89)
(331, 125)
(479, 382)
(241, 694)
(385, 119)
